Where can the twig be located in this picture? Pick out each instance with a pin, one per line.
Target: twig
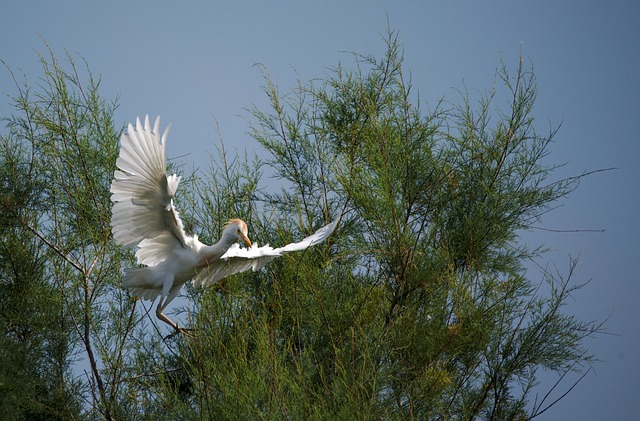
(54, 248)
(561, 230)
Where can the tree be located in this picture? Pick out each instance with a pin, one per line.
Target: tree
(34, 357)
(64, 308)
(419, 306)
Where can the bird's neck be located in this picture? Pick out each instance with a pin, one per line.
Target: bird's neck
(220, 247)
(209, 254)
(226, 241)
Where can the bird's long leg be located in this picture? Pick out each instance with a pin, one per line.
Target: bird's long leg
(168, 294)
(160, 315)
(165, 319)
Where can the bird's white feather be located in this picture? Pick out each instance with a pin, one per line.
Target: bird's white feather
(238, 259)
(142, 193)
(143, 215)
(152, 251)
(142, 282)
(267, 251)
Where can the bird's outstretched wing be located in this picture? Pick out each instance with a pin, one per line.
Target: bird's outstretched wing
(238, 259)
(143, 212)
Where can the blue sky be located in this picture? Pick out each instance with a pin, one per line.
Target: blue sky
(193, 63)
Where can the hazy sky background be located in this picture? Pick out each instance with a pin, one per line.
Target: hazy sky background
(193, 63)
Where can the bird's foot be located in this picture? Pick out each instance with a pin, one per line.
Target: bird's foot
(187, 331)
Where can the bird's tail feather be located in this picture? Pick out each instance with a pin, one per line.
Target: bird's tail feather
(140, 282)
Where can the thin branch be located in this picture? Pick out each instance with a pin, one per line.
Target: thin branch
(54, 248)
(563, 231)
(561, 396)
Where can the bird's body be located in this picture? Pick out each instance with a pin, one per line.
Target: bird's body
(144, 216)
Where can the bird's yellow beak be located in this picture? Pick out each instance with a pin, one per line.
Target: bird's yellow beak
(245, 240)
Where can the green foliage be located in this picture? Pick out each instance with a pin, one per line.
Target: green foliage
(34, 357)
(63, 305)
(419, 306)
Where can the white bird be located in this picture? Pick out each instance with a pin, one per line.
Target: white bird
(143, 215)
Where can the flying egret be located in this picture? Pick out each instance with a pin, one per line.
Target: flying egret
(143, 215)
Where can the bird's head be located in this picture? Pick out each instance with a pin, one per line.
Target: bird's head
(237, 229)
